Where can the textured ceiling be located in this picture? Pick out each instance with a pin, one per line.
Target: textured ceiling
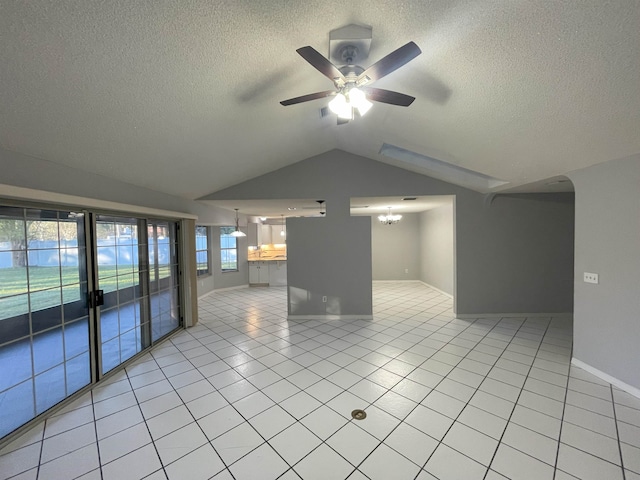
(182, 96)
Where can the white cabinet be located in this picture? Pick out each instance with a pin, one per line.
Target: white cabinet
(253, 234)
(276, 234)
(278, 274)
(258, 273)
(265, 235)
(272, 273)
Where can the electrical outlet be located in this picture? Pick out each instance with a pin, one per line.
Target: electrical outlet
(590, 277)
(324, 299)
(406, 270)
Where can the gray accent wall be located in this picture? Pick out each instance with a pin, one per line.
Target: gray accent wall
(607, 315)
(229, 279)
(436, 227)
(329, 257)
(396, 248)
(29, 172)
(514, 254)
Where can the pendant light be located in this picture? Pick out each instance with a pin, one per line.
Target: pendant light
(237, 232)
(282, 232)
(389, 219)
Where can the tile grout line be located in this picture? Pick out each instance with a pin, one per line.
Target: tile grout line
(564, 407)
(95, 428)
(515, 403)
(615, 421)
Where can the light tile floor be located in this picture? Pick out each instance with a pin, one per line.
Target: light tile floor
(248, 395)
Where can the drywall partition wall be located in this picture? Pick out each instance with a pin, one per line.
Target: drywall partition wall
(229, 279)
(486, 279)
(607, 315)
(395, 252)
(329, 265)
(437, 247)
(520, 250)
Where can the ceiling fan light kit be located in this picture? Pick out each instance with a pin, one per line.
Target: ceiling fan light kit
(351, 81)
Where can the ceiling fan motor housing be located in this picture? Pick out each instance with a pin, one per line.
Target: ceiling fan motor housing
(351, 42)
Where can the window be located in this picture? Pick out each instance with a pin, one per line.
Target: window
(228, 250)
(202, 250)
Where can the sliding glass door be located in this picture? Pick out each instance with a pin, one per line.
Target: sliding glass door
(80, 293)
(122, 274)
(163, 277)
(44, 316)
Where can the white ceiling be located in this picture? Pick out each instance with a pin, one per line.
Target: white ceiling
(182, 97)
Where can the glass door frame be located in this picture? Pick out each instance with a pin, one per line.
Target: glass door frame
(90, 260)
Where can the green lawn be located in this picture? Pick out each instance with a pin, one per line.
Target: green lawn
(51, 286)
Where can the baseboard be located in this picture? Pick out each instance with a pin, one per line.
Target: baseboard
(436, 289)
(330, 317)
(606, 377)
(237, 287)
(511, 315)
(397, 281)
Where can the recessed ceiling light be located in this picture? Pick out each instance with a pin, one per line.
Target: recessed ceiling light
(291, 208)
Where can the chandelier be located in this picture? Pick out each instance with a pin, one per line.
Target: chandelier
(389, 219)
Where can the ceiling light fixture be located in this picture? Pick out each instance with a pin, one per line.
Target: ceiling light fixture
(237, 232)
(347, 99)
(389, 219)
(282, 232)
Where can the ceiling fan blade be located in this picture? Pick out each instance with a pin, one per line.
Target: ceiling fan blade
(387, 96)
(320, 63)
(307, 98)
(390, 63)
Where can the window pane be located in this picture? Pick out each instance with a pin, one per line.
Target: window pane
(202, 250)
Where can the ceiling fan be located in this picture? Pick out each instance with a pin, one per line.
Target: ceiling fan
(352, 91)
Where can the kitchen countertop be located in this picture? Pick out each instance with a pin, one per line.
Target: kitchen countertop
(280, 259)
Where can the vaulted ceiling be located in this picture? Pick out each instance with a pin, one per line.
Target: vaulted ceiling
(183, 96)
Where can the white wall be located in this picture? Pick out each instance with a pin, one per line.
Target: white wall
(436, 228)
(607, 315)
(396, 248)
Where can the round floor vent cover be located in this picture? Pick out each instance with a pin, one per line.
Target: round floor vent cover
(359, 414)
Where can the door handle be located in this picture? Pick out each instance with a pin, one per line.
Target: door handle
(96, 298)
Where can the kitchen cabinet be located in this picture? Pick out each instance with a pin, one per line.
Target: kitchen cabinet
(265, 235)
(277, 274)
(260, 234)
(272, 273)
(253, 234)
(276, 236)
(258, 273)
